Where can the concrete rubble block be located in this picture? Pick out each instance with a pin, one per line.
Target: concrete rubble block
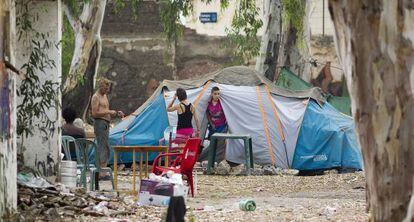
(223, 168)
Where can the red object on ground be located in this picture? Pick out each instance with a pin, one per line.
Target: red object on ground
(184, 162)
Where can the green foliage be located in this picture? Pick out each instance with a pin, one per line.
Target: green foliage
(120, 4)
(223, 3)
(68, 45)
(37, 96)
(243, 32)
(170, 17)
(294, 12)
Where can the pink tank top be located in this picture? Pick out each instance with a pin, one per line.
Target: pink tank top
(216, 113)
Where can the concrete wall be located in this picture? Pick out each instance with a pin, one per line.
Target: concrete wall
(8, 162)
(224, 18)
(135, 55)
(320, 19)
(40, 151)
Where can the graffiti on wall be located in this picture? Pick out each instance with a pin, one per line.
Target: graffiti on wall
(5, 120)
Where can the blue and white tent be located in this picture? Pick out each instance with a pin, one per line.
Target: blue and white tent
(289, 129)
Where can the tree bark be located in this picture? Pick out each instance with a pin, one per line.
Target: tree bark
(8, 161)
(85, 62)
(375, 41)
(266, 61)
(294, 52)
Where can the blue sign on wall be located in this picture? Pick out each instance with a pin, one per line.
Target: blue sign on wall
(208, 17)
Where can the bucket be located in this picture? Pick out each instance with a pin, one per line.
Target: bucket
(68, 173)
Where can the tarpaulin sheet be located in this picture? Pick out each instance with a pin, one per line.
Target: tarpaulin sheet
(327, 139)
(145, 129)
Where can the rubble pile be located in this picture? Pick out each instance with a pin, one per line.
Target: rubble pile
(58, 202)
(224, 169)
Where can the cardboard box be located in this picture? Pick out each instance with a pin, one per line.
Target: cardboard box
(158, 193)
(145, 198)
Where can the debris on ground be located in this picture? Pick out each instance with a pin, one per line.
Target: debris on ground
(291, 172)
(332, 171)
(223, 168)
(31, 180)
(271, 170)
(57, 202)
(247, 205)
(285, 197)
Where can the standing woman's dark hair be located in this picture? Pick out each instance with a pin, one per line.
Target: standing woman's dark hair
(181, 94)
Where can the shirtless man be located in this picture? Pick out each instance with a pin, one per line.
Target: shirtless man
(102, 115)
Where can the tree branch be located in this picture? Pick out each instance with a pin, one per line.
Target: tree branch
(69, 14)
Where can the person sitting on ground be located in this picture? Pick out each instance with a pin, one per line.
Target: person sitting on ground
(186, 112)
(215, 114)
(69, 128)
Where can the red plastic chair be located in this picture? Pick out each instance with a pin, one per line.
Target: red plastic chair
(186, 161)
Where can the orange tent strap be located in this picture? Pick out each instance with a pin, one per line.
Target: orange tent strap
(279, 123)
(259, 98)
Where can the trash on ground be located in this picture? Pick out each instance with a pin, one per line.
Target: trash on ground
(40, 200)
(157, 190)
(247, 205)
(31, 180)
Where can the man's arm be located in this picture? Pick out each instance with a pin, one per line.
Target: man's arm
(96, 113)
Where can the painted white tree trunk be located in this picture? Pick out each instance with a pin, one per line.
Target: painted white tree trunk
(8, 159)
(86, 55)
(375, 41)
(266, 61)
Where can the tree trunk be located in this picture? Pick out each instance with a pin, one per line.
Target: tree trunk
(78, 86)
(266, 61)
(295, 51)
(375, 41)
(8, 160)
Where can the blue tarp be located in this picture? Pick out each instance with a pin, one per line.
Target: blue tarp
(327, 139)
(145, 129)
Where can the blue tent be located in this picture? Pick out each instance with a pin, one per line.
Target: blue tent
(289, 129)
(144, 129)
(327, 139)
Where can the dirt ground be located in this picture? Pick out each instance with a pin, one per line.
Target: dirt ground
(330, 197)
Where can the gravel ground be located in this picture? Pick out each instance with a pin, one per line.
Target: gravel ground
(330, 197)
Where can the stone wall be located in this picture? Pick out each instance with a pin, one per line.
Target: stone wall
(137, 57)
